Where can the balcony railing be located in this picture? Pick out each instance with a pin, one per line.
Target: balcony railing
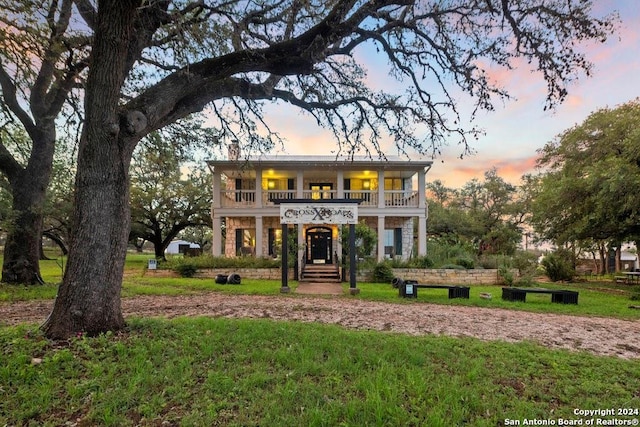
(247, 198)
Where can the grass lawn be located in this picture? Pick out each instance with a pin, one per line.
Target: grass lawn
(203, 371)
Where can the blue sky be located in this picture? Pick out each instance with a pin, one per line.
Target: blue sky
(516, 129)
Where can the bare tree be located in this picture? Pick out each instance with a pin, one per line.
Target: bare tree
(156, 62)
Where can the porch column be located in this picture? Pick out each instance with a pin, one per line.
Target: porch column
(258, 202)
(259, 238)
(216, 203)
(380, 238)
(299, 184)
(422, 187)
(340, 186)
(216, 237)
(381, 203)
(217, 191)
(422, 235)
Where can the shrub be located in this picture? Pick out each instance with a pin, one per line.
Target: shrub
(185, 269)
(421, 262)
(506, 274)
(453, 267)
(558, 266)
(208, 261)
(465, 262)
(382, 273)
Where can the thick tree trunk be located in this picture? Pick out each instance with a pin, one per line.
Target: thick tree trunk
(88, 300)
(28, 191)
(22, 248)
(158, 248)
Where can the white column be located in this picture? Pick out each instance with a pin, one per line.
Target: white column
(422, 189)
(216, 203)
(380, 238)
(258, 188)
(340, 186)
(216, 238)
(299, 184)
(217, 190)
(381, 204)
(422, 235)
(259, 237)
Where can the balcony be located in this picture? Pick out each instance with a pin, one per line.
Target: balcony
(247, 198)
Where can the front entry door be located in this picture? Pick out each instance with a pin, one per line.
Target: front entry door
(319, 243)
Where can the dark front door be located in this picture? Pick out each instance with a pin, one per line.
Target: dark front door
(319, 245)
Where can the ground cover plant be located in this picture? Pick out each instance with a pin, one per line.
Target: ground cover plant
(202, 371)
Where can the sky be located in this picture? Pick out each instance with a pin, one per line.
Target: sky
(519, 127)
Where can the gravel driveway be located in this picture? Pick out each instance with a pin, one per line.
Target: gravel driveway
(601, 336)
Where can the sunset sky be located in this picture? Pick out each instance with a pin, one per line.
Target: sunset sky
(519, 127)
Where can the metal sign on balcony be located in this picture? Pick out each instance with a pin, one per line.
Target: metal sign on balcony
(318, 214)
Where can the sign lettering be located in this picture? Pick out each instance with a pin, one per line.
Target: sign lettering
(318, 214)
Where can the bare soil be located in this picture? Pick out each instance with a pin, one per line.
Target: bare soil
(600, 336)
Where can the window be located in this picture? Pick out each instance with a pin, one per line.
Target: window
(393, 184)
(392, 242)
(321, 191)
(275, 241)
(245, 241)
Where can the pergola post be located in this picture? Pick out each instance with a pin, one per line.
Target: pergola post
(352, 260)
(285, 261)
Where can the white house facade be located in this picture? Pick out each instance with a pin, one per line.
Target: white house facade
(390, 197)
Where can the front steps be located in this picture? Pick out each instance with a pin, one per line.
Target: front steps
(320, 273)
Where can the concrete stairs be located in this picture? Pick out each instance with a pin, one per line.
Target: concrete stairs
(320, 273)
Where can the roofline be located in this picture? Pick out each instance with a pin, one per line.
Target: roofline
(314, 161)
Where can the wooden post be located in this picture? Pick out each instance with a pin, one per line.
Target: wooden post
(285, 262)
(352, 260)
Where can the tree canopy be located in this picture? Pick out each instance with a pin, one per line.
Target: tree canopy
(487, 214)
(167, 195)
(587, 196)
(592, 171)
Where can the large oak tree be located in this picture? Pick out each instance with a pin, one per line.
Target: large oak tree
(155, 62)
(588, 195)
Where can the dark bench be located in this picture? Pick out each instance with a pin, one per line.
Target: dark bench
(409, 289)
(454, 291)
(557, 296)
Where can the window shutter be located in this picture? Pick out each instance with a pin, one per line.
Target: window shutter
(398, 240)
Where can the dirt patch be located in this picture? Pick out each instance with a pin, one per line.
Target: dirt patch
(601, 336)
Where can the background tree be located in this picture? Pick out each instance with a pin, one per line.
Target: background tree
(587, 195)
(59, 203)
(42, 61)
(167, 196)
(485, 213)
(234, 56)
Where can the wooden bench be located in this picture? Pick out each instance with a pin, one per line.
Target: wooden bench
(557, 295)
(454, 291)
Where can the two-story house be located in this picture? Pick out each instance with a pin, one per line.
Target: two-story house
(391, 195)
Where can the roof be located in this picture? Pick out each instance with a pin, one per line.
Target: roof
(390, 162)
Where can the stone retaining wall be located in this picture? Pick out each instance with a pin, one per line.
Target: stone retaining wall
(439, 276)
(211, 273)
